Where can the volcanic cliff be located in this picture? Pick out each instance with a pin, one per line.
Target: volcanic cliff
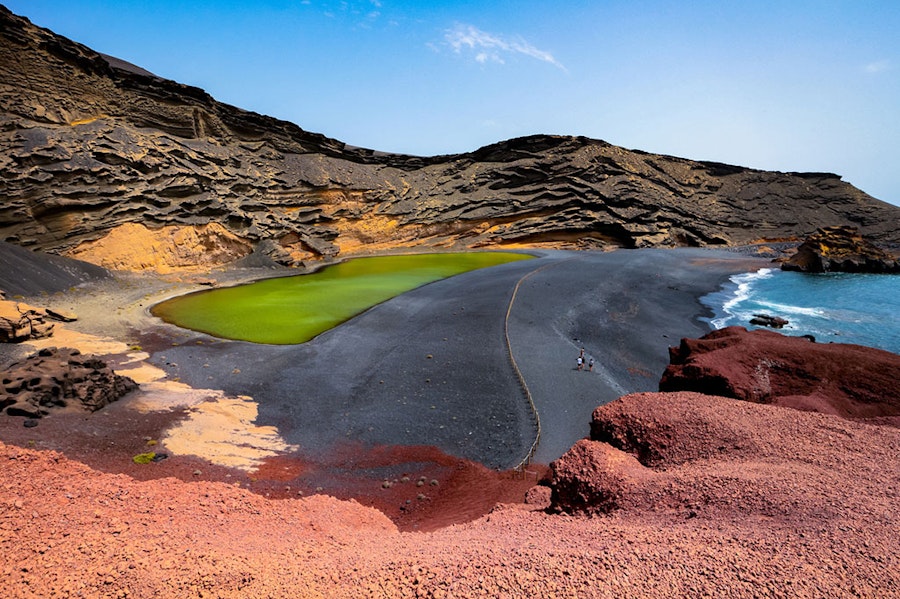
(107, 162)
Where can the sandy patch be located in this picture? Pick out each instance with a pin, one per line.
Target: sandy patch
(84, 342)
(142, 373)
(221, 430)
(134, 247)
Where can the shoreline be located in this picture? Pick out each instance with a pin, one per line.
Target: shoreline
(425, 369)
(625, 310)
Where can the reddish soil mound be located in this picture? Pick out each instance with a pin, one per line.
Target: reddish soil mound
(766, 367)
(704, 454)
(802, 505)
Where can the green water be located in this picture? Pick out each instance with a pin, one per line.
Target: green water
(295, 309)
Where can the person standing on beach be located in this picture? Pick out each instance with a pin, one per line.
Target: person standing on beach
(591, 365)
(580, 363)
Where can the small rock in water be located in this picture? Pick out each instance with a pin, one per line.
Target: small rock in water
(765, 320)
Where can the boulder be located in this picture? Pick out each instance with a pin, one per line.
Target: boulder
(840, 249)
(763, 366)
(60, 378)
(765, 320)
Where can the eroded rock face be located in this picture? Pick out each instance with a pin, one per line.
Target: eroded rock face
(766, 367)
(841, 249)
(60, 378)
(132, 246)
(90, 144)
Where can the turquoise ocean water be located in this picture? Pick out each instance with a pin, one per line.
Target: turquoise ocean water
(834, 307)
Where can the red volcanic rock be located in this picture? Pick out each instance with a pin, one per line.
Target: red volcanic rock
(595, 478)
(766, 367)
(663, 430)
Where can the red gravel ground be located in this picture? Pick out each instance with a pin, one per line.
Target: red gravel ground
(418, 488)
(787, 504)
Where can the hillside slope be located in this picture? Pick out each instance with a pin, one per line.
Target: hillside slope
(89, 144)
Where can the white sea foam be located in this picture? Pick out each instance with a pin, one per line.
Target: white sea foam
(743, 289)
(846, 308)
(782, 309)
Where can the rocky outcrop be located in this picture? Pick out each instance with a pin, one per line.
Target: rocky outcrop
(841, 249)
(59, 378)
(90, 144)
(695, 452)
(766, 367)
(21, 322)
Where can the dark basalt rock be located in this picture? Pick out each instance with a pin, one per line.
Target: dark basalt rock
(765, 320)
(88, 143)
(59, 378)
(841, 249)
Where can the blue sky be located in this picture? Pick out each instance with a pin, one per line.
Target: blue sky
(779, 85)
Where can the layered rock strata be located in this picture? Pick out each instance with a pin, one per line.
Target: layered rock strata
(21, 322)
(92, 147)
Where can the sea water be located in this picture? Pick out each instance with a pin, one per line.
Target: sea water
(863, 309)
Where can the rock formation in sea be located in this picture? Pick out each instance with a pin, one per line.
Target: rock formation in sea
(841, 249)
(104, 161)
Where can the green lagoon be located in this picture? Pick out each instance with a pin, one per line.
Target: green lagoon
(295, 309)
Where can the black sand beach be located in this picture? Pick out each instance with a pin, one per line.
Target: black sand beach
(432, 367)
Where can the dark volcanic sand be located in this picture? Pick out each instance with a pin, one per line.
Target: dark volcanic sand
(429, 369)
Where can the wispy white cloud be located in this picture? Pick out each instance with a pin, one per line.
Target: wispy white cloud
(878, 66)
(488, 47)
(365, 12)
